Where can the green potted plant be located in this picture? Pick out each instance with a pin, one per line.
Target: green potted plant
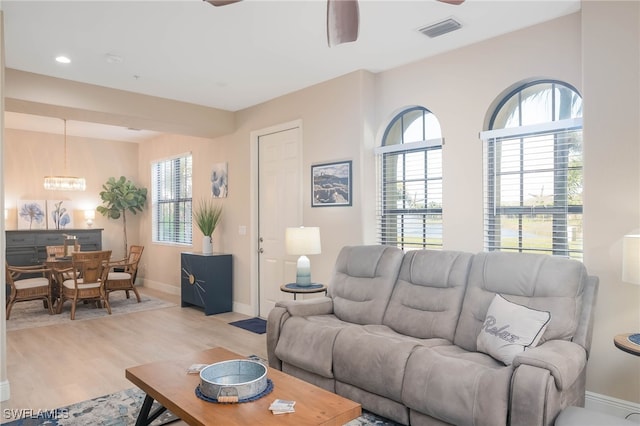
(207, 216)
(119, 197)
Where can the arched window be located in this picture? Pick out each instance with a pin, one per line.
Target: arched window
(410, 193)
(533, 173)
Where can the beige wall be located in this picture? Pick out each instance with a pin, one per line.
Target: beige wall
(29, 156)
(611, 81)
(329, 134)
(162, 270)
(343, 118)
(459, 88)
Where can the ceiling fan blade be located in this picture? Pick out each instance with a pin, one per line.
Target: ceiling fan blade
(342, 21)
(221, 2)
(456, 2)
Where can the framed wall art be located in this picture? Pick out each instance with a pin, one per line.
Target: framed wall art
(331, 184)
(219, 180)
(32, 214)
(59, 214)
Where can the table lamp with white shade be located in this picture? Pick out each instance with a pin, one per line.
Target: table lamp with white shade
(631, 267)
(303, 241)
(89, 216)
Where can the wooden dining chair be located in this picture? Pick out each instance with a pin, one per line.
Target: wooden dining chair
(25, 286)
(55, 252)
(122, 273)
(89, 274)
(58, 251)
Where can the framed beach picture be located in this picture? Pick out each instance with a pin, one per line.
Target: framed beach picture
(59, 214)
(219, 180)
(32, 214)
(331, 184)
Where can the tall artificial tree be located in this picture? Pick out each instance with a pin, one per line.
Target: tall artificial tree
(119, 197)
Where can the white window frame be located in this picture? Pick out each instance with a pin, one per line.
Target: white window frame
(177, 197)
(399, 225)
(554, 209)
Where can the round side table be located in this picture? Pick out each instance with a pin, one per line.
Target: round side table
(298, 289)
(627, 343)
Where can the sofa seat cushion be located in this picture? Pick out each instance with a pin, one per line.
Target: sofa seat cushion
(456, 386)
(372, 362)
(307, 342)
(385, 331)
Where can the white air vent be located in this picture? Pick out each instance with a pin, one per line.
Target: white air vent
(440, 28)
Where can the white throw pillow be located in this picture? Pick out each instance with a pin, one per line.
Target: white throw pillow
(510, 329)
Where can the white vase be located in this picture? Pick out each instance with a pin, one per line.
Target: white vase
(207, 245)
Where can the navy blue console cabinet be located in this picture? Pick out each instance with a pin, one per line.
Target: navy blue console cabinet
(207, 282)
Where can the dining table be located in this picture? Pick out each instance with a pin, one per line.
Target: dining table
(57, 266)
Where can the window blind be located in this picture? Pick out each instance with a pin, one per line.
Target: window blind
(409, 211)
(533, 189)
(172, 196)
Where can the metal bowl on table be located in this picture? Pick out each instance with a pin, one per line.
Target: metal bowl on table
(234, 380)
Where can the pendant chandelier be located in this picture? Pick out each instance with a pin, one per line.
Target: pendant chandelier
(65, 182)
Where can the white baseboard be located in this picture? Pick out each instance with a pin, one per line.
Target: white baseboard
(5, 391)
(241, 308)
(613, 406)
(163, 287)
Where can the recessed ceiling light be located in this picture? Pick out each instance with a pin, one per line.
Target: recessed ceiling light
(63, 60)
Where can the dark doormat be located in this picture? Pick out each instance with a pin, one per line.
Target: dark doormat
(255, 325)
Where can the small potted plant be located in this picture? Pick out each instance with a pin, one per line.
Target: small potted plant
(207, 216)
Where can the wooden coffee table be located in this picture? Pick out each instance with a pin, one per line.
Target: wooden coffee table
(168, 383)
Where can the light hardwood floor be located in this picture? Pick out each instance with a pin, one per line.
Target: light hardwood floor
(54, 366)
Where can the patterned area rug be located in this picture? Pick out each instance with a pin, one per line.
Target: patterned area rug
(33, 314)
(117, 409)
(121, 409)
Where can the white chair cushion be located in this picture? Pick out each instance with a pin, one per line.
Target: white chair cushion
(31, 283)
(119, 276)
(70, 284)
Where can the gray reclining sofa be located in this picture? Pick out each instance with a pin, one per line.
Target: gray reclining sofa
(400, 334)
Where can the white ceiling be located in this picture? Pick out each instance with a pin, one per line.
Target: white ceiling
(242, 54)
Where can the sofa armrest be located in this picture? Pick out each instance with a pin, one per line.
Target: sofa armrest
(304, 308)
(563, 359)
(277, 317)
(284, 310)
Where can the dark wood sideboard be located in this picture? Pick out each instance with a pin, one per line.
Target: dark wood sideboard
(29, 247)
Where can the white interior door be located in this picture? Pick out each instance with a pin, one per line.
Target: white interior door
(280, 206)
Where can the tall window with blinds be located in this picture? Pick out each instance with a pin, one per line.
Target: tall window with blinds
(534, 172)
(410, 191)
(171, 184)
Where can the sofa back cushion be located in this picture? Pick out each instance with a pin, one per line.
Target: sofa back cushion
(362, 282)
(427, 298)
(538, 281)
